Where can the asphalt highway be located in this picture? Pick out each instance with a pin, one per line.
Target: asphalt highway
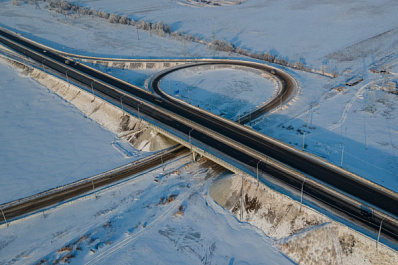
(316, 168)
(115, 90)
(287, 83)
(17, 209)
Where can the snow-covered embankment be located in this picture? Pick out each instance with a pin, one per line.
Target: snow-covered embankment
(136, 131)
(303, 234)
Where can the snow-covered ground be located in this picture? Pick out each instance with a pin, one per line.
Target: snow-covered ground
(170, 221)
(91, 35)
(368, 139)
(349, 37)
(311, 31)
(304, 234)
(336, 126)
(239, 90)
(325, 119)
(45, 142)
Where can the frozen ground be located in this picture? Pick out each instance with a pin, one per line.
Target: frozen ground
(170, 221)
(336, 118)
(369, 139)
(90, 35)
(335, 125)
(305, 235)
(46, 142)
(325, 118)
(239, 90)
(347, 36)
(311, 31)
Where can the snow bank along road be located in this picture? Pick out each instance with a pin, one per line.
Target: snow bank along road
(44, 199)
(380, 204)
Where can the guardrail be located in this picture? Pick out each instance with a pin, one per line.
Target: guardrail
(317, 190)
(22, 207)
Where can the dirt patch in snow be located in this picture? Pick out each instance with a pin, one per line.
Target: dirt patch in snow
(212, 3)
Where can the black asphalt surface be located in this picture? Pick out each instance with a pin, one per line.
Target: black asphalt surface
(333, 177)
(56, 196)
(317, 169)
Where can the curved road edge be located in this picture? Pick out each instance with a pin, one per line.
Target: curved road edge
(85, 75)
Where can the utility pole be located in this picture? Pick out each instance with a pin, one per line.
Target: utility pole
(378, 236)
(95, 194)
(138, 107)
(4, 217)
(257, 171)
(189, 96)
(242, 200)
(367, 142)
(121, 102)
(190, 142)
(67, 75)
(301, 197)
(342, 156)
(92, 89)
(213, 38)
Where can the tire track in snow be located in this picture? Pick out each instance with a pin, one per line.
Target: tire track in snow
(170, 210)
(348, 107)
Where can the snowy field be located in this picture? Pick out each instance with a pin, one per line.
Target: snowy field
(131, 221)
(239, 91)
(91, 35)
(331, 124)
(313, 32)
(336, 126)
(170, 221)
(46, 142)
(337, 119)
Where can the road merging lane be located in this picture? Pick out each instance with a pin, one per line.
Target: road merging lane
(113, 89)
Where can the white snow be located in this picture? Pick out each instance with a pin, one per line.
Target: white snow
(306, 30)
(333, 120)
(132, 223)
(90, 35)
(46, 142)
(227, 91)
(305, 235)
(349, 37)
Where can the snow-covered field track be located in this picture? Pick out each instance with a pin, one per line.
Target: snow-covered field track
(46, 115)
(349, 178)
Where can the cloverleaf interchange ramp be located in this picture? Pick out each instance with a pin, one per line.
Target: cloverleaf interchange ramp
(242, 144)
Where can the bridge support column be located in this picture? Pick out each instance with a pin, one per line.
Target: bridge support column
(193, 155)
